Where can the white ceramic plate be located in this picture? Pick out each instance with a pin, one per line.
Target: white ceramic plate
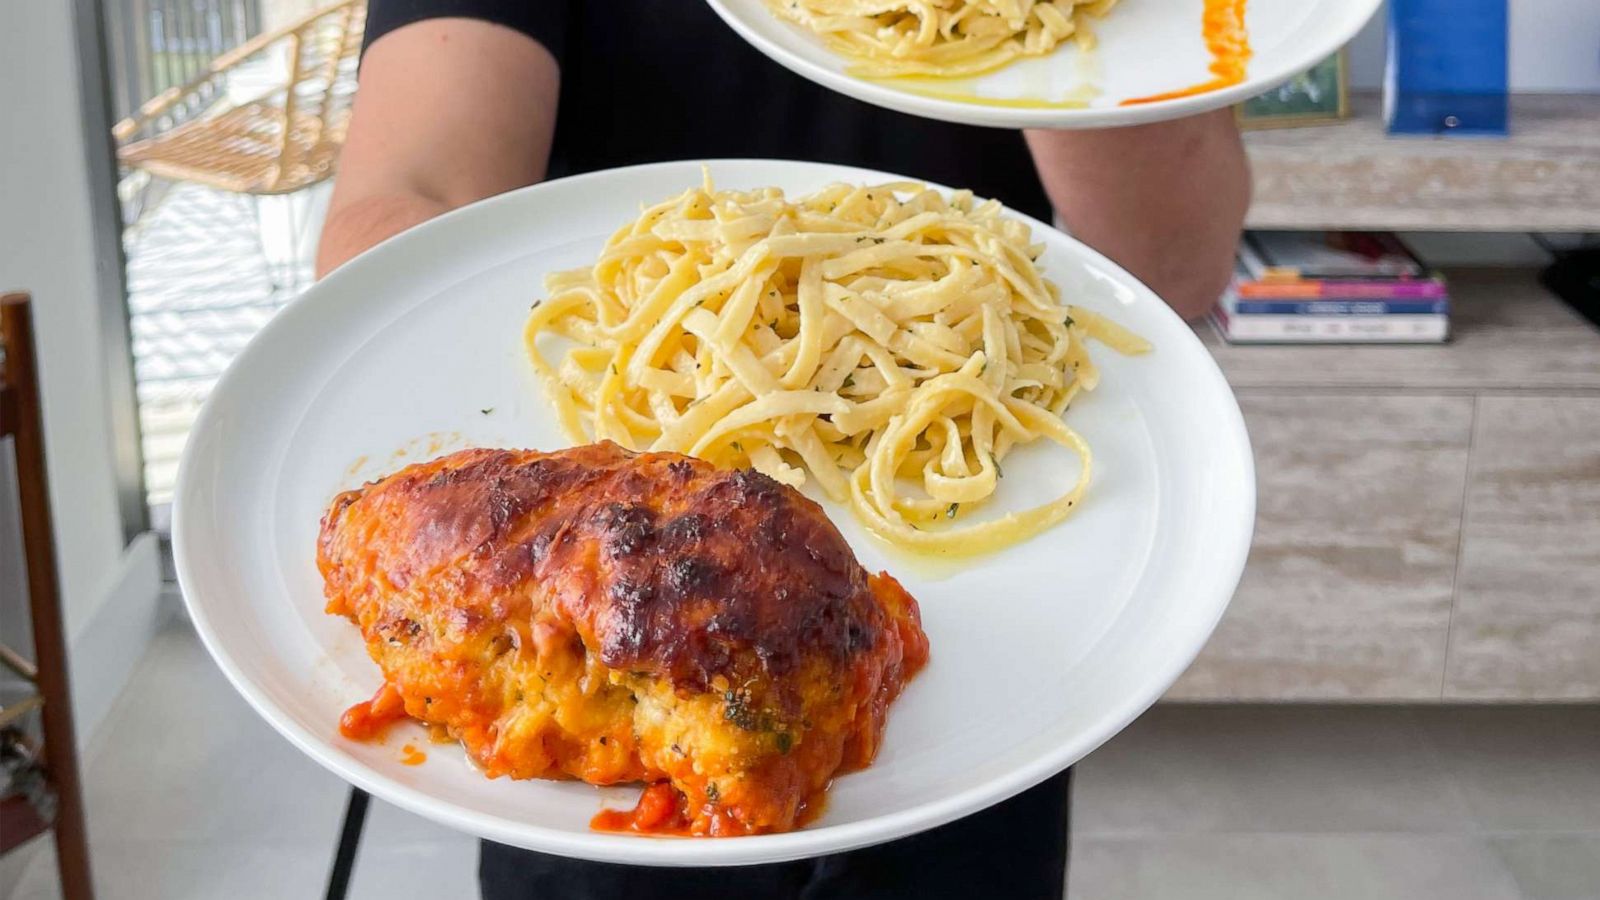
(1039, 653)
(1146, 47)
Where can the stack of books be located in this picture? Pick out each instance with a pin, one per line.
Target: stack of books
(1332, 287)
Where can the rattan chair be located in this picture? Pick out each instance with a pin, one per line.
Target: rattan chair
(281, 141)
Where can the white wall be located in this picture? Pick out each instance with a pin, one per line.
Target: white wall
(47, 248)
(1555, 47)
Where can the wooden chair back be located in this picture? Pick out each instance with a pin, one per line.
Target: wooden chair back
(22, 419)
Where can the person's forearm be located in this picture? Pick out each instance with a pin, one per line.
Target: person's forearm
(1165, 201)
(450, 111)
(359, 224)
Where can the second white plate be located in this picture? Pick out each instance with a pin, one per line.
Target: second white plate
(1146, 47)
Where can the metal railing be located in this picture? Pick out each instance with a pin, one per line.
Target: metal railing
(154, 45)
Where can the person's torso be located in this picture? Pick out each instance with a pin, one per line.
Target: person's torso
(652, 80)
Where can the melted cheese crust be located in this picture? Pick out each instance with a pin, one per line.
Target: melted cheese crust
(612, 617)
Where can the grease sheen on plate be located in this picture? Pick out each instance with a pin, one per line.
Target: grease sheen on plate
(1045, 649)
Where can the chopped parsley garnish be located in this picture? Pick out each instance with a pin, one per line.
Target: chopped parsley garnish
(737, 712)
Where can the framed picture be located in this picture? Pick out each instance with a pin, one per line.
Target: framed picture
(1318, 96)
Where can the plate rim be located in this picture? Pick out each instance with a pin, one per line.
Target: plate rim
(633, 849)
(964, 113)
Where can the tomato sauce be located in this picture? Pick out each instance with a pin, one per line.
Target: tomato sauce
(370, 718)
(660, 810)
(411, 756)
(663, 810)
(1229, 42)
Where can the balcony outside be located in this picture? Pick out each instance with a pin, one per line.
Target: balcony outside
(214, 247)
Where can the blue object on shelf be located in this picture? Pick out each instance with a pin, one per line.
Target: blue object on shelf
(1447, 70)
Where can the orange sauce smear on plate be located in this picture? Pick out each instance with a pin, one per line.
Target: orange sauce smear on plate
(411, 756)
(1229, 43)
(370, 718)
(662, 811)
(659, 811)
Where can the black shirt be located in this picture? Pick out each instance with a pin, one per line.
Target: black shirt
(654, 80)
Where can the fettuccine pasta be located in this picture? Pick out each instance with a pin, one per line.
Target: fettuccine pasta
(894, 343)
(946, 38)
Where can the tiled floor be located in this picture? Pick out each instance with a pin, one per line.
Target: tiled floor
(191, 796)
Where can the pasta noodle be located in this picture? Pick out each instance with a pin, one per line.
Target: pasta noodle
(949, 38)
(873, 336)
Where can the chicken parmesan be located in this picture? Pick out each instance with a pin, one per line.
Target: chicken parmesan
(614, 617)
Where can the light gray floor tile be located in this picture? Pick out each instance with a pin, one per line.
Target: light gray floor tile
(1263, 769)
(192, 870)
(15, 863)
(1552, 866)
(438, 869)
(184, 758)
(389, 825)
(1276, 867)
(405, 855)
(1523, 769)
(38, 879)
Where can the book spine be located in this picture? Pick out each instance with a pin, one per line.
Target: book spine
(1334, 329)
(1249, 258)
(1245, 307)
(1345, 290)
